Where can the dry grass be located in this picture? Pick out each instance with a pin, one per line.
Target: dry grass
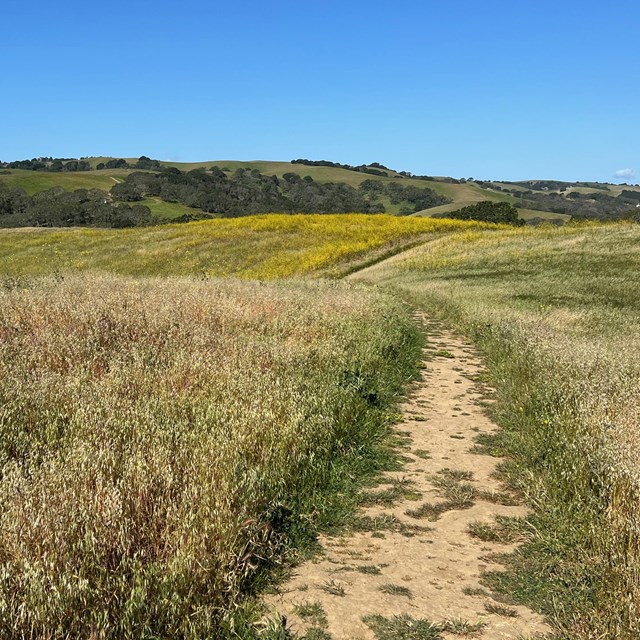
(159, 439)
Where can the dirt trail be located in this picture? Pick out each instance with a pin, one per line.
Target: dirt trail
(415, 560)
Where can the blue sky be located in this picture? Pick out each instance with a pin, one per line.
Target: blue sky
(496, 89)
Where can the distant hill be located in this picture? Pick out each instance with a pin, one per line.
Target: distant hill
(378, 188)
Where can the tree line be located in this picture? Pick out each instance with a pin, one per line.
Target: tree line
(72, 164)
(59, 208)
(486, 211)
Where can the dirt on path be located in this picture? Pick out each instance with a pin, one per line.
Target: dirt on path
(412, 567)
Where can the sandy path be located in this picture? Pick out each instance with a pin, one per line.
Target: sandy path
(433, 571)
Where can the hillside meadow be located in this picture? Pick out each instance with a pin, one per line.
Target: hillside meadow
(461, 194)
(266, 247)
(556, 312)
(169, 436)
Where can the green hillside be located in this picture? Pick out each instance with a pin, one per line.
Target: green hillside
(35, 181)
(563, 198)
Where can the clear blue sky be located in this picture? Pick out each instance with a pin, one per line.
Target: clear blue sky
(496, 89)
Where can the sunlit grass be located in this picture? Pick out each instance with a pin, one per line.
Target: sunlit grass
(162, 440)
(557, 314)
(265, 247)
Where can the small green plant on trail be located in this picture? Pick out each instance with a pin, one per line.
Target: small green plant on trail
(370, 569)
(461, 627)
(312, 612)
(333, 587)
(500, 610)
(396, 590)
(505, 530)
(402, 627)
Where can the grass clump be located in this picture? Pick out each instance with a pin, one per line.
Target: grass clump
(369, 569)
(396, 590)
(505, 530)
(500, 610)
(461, 627)
(313, 613)
(333, 587)
(317, 633)
(402, 627)
(384, 522)
(401, 489)
(165, 442)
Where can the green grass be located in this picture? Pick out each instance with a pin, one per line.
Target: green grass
(396, 590)
(555, 312)
(333, 588)
(35, 181)
(402, 627)
(313, 613)
(168, 210)
(500, 610)
(528, 214)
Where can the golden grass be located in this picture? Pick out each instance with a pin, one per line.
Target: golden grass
(265, 247)
(158, 438)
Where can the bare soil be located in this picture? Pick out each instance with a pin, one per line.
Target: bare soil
(427, 567)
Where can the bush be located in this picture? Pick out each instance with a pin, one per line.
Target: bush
(487, 211)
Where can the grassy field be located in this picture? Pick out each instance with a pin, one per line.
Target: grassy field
(168, 210)
(529, 214)
(35, 181)
(162, 441)
(165, 439)
(556, 312)
(267, 247)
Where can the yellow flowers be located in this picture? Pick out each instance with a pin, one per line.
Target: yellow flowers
(260, 247)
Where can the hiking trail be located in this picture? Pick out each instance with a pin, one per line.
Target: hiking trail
(413, 564)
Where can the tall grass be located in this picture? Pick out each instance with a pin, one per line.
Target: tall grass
(556, 311)
(161, 439)
(266, 247)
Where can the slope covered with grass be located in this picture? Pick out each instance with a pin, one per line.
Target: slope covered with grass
(556, 311)
(267, 246)
(36, 181)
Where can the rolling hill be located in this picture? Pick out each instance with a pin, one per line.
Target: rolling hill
(536, 199)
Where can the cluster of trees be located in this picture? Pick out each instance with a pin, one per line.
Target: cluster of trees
(375, 168)
(72, 164)
(59, 208)
(245, 192)
(630, 196)
(598, 206)
(143, 162)
(48, 164)
(487, 211)
(414, 198)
